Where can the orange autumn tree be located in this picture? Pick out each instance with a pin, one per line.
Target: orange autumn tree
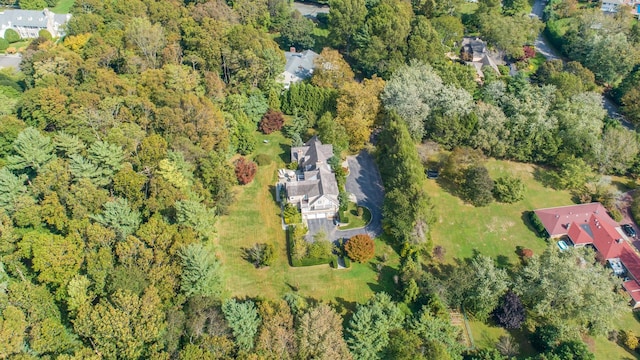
(360, 248)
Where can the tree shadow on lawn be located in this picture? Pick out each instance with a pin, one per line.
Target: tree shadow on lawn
(449, 187)
(274, 196)
(285, 155)
(521, 336)
(344, 306)
(385, 281)
(544, 176)
(525, 217)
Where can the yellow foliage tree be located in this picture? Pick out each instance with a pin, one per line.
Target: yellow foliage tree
(76, 42)
(331, 70)
(357, 108)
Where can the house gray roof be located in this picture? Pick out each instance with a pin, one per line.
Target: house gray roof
(328, 184)
(474, 46)
(304, 187)
(300, 64)
(319, 179)
(312, 152)
(324, 184)
(31, 18)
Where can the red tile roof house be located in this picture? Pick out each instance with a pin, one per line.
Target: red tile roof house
(590, 224)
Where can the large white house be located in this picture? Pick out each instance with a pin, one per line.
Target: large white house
(613, 6)
(29, 22)
(312, 187)
(299, 66)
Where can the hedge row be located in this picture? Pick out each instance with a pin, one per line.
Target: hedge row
(303, 261)
(537, 224)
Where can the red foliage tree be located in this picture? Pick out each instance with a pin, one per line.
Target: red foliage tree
(271, 121)
(527, 253)
(529, 52)
(245, 170)
(360, 248)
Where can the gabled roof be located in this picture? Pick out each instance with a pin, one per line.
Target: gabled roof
(312, 152)
(32, 18)
(630, 260)
(301, 188)
(318, 178)
(579, 235)
(300, 64)
(633, 289)
(556, 220)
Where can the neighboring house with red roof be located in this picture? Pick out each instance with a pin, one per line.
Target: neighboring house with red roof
(590, 224)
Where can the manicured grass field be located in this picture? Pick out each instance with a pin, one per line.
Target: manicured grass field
(63, 6)
(254, 218)
(356, 221)
(497, 229)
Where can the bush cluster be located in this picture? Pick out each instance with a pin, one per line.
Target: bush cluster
(245, 170)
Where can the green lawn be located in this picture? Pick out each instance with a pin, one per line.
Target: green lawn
(494, 230)
(254, 218)
(356, 221)
(63, 6)
(487, 335)
(535, 63)
(467, 8)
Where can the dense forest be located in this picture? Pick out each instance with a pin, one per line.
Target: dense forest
(121, 145)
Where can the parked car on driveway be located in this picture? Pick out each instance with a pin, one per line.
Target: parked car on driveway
(629, 230)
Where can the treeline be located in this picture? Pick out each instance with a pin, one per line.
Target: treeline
(407, 211)
(521, 297)
(380, 36)
(606, 45)
(117, 149)
(556, 120)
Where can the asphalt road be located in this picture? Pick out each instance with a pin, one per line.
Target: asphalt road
(10, 61)
(310, 9)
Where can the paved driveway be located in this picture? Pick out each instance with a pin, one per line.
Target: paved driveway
(624, 204)
(365, 183)
(310, 9)
(10, 61)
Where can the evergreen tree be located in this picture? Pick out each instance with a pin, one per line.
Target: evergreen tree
(119, 216)
(197, 216)
(82, 168)
(368, 332)
(108, 157)
(244, 322)
(31, 150)
(200, 271)
(11, 188)
(68, 145)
